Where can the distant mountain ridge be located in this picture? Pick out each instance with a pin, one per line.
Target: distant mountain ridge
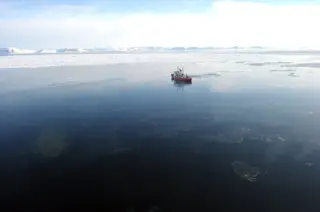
(17, 51)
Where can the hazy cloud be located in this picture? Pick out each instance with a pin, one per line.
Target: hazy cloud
(223, 23)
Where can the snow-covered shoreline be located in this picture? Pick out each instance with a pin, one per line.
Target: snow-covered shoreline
(17, 51)
(50, 60)
(298, 58)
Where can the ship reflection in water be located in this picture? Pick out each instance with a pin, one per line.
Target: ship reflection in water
(181, 84)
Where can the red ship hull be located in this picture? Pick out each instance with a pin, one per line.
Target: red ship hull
(181, 79)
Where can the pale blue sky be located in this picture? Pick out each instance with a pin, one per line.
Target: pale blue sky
(132, 6)
(84, 23)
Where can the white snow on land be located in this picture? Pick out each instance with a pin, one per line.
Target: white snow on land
(46, 60)
(12, 50)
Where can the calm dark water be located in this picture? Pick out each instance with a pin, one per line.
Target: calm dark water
(130, 144)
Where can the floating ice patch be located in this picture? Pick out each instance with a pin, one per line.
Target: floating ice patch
(282, 70)
(267, 63)
(304, 65)
(50, 144)
(274, 139)
(293, 75)
(309, 164)
(245, 171)
(257, 64)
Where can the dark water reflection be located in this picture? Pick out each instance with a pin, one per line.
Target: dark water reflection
(117, 146)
